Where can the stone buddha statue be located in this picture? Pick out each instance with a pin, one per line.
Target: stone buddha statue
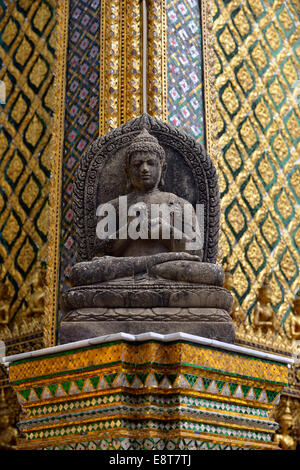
(145, 165)
(143, 263)
(122, 252)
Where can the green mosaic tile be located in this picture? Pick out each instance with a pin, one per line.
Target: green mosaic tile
(66, 386)
(271, 395)
(220, 384)
(80, 383)
(94, 381)
(172, 378)
(110, 378)
(245, 389)
(192, 379)
(130, 378)
(53, 388)
(206, 382)
(38, 391)
(25, 393)
(158, 377)
(232, 388)
(143, 377)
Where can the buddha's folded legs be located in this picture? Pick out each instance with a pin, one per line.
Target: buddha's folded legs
(108, 268)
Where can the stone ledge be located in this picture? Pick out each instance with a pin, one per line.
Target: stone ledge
(80, 330)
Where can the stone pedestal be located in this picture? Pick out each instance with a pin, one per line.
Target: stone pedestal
(138, 305)
(148, 391)
(214, 323)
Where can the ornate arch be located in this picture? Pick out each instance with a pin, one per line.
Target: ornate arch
(92, 168)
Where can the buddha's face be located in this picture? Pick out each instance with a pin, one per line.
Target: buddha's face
(265, 295)
(286, 423)
(144, 171)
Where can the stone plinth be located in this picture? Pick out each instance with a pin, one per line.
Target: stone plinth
(213, 323)
(148, 391)
(137, 306)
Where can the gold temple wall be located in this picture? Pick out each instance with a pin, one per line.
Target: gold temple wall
(257, 68)
(27, 49)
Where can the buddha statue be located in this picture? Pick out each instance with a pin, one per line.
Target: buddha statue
(117, 256)
(264, 315)
(145, 258)
(145, 165)
(236, 312)
(284, 439)
(36, 303)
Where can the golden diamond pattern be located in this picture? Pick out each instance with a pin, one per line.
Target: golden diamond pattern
(27, 32)
(257, 67)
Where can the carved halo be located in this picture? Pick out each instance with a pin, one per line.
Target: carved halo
(196, 180)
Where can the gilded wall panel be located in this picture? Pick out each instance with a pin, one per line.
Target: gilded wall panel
(121, 86)
(257, 68)
(27, 47)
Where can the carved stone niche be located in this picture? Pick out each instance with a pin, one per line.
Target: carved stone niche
(145, 301)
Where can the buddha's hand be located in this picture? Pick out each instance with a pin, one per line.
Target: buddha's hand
(160, 228)
(171, 256)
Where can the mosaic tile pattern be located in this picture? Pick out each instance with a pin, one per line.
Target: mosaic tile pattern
(144, 444)
(82, 107)
(257, 68)
(151, 353)
(137, 399)
(27, 47)
(156, 379)
(126, 395)
(117, 423)
(184, 52)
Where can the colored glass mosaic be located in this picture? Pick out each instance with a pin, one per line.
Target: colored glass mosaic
(144, 444)
(184, 52)
(82, 108)
(120, 379)
(27, 48)
(257, 68)
(149, 354)
(138, 400)
(148, 389)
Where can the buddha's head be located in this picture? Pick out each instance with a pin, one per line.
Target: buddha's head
(265, 293)
(286, 419)
(145, 163)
